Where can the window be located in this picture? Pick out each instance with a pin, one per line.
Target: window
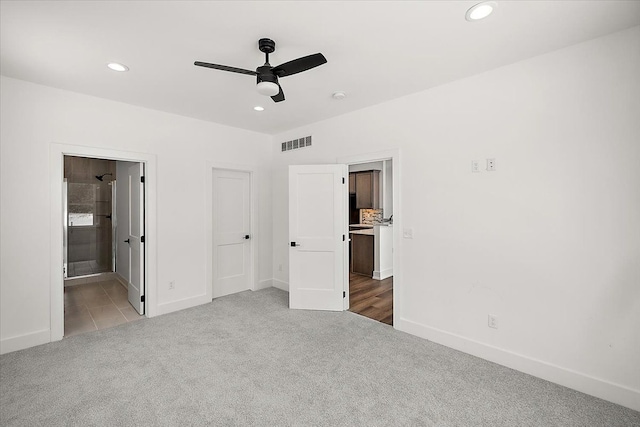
(81, 204)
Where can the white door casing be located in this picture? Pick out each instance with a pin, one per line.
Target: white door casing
(318, 255)
(135, 238)
(231, 232)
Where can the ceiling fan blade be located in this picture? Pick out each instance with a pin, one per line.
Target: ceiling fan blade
(279, 96)
(225, 68)
(299, 65)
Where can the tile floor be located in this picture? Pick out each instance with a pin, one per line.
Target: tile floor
(83, 268)
(96, 306)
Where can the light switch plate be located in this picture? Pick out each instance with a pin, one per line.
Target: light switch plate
(407, 233)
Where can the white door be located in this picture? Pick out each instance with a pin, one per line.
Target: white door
(231, 232)
(318, 255)
(136, 236)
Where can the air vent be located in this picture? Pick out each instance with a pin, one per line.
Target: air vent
(295, 144)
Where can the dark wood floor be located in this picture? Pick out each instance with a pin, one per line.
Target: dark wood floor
(371, 298)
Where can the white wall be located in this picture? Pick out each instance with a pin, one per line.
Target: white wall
(372, 166)
(549, 243)
(33, 117)
(387, 188)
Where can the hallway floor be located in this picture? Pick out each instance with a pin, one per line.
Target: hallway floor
(96, 306)
(371, 298)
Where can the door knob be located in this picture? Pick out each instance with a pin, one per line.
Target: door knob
(294, 244)
(126, 241)
(247, 237)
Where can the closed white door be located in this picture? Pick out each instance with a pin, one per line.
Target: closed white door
(231, 232)
(318, 255)
(136, 236)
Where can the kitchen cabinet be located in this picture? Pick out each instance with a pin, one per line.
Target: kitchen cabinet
(367, 189)
(352, 183)
(362, 253)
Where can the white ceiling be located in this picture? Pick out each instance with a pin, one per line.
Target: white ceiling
(376, 51)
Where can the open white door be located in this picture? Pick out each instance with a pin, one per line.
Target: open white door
(136, 236)
(231, 232)
(318, 255)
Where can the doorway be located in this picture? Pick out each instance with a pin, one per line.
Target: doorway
(371, 239)
(319, 263)
(103, 235)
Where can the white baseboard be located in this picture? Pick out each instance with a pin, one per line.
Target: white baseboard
(263, 284)
(170, 307)
(122, 280)
(587, 384)
(280, 285)
(21, 342)
(381, 275)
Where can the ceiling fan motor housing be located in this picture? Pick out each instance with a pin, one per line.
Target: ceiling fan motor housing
(266, 75)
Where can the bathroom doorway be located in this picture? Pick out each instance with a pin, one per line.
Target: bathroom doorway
(103, 239)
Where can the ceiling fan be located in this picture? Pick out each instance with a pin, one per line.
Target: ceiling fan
(267, 75)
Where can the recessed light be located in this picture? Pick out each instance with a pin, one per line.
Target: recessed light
(338, 95)
(258, 108)
(480, 11)
(117, 67)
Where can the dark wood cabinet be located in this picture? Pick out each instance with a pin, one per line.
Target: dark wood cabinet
(362, 254)
(367, 189)
(352, 183)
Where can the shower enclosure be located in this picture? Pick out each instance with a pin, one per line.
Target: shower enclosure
(90, 223)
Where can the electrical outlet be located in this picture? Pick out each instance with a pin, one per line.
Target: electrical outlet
(172, 285)
(491, 165)
(493, 321)
(475, 166)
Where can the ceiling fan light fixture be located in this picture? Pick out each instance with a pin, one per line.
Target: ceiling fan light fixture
(117, 67)
(268, 88)
(480, 11)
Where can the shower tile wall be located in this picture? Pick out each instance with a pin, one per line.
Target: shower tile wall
(89, 203)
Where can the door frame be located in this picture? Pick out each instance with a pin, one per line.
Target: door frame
(254, 285)
(56, 176)
(394, 156)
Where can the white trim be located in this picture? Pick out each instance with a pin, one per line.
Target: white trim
(280, 285)
(584, 383)
(208, 222)
(56, 173)
(264, 284)
(21, 342)
(381, 275)
(394, 155)
(170, 307)
(121, 280)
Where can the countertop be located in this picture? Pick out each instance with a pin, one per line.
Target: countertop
(381, 224)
